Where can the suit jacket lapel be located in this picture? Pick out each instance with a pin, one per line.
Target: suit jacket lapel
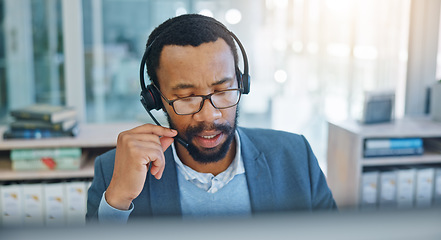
(164, 193)
(259, 179)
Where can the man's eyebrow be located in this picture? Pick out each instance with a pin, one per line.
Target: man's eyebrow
(183, 86)
(222, 81)
(180, 86)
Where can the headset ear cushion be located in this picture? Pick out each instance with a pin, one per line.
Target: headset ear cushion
(151, 98)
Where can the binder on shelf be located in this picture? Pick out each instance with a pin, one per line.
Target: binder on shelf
(47, 159)
(19, 154)
(33, 212)
(12, 211)
(45, 112)
(388, 189)
(369, 190)
(42, 121)
(433, 144)
(393, 147)
(39, 133)
(437, 188)
(55, 213)
(65, 125)
(405, 187)
(76, 199)
(66, 163)
(424, 187)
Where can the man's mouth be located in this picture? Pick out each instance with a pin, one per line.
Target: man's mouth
(209, 137)
(209, 140)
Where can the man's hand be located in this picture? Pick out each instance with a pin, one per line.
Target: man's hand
(136, 149)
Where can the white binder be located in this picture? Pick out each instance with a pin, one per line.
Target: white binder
(55, 213)
(424, 187)
(33, 212)
(11, 205)
(437, 188)
(388, 189)
(369, 190)
(405, 187)
(76, 197)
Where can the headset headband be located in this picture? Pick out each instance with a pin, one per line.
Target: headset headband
(244, 82)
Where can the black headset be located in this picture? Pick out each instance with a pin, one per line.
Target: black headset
(150, 96)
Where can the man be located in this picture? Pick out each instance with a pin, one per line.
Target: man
(225, 170)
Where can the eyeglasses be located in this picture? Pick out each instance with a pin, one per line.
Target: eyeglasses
(193, 104)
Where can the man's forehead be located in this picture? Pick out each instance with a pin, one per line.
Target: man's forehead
(220, 42)
(208, 64)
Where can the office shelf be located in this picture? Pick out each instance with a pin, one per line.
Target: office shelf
(345, 159)
(93, 139)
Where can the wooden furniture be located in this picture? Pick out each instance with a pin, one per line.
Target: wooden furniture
(345, 161)
(94, 139)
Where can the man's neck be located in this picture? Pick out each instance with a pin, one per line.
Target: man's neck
(214, 168)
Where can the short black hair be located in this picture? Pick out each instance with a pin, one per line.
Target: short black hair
(184, 30)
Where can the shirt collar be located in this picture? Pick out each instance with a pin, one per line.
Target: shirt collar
(208, 181)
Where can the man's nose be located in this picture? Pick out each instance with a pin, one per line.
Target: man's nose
(208, 112)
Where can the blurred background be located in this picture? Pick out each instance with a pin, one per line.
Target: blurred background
(310, 60)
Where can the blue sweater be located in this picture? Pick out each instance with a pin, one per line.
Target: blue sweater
(231, 200)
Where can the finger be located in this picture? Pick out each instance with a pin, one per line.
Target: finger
(138, 137)
(146, 152)
(157, 163)
(154, 129)
(166, 142)
(159, 174)
(157, 171)
(129, 140)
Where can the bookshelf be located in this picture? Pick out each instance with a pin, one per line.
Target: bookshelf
(94, 139)
(345, 159)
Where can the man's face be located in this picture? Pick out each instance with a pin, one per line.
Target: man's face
(185, 71)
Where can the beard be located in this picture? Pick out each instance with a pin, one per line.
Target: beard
(207, 155)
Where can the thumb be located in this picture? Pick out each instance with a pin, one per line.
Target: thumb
(166, 142)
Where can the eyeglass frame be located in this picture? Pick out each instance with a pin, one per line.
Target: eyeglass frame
(204, 97)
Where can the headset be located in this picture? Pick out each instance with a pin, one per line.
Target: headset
(151, 98)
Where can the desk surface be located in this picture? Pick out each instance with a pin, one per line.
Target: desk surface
(407, 225)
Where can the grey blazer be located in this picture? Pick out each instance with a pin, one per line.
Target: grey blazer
(281, 170)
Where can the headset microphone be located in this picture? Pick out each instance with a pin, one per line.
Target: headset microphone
(181, 141)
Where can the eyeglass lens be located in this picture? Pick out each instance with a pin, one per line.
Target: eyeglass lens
(224, 99)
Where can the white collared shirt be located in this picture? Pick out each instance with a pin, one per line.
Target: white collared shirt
(208, 181)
